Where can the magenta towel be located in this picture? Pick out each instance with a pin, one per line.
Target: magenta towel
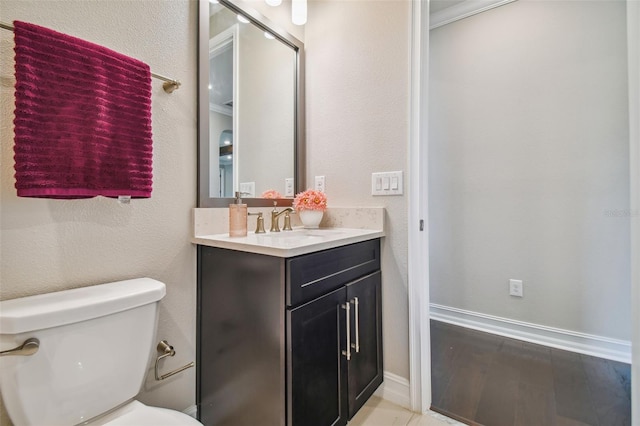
(82, 119)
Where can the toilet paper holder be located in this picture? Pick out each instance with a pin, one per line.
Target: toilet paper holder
(164, 350)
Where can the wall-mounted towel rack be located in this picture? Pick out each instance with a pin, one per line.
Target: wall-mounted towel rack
(169, 84)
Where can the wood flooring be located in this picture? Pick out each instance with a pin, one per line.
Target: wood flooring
(485, 379)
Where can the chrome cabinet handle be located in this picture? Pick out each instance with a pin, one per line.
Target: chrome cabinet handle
(356, 345)
(29, 347)
(347, 353)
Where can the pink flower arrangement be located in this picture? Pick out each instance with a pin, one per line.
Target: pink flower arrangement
(310, 200)
(271, 193)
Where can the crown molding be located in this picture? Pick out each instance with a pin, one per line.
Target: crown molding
(463, 10)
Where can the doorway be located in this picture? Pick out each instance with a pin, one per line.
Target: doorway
(419, 345)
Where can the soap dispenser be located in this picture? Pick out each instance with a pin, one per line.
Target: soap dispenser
(238, 218)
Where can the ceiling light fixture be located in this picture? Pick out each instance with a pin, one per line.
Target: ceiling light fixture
(268, 35)
(299, 12)
(242, 19)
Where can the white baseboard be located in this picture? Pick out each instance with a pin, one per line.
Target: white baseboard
(395, 389)
(191, 411)
(589, 344)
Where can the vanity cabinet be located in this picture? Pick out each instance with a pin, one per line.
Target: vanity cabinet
(336, 357)
(334, 336)
(295, 341)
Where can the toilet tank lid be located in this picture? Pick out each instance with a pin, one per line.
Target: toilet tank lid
(79, 304)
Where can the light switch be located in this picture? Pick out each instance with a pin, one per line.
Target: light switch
(247, 189)
(378, 181)
(386, 183)
(288, 187)
(394, 182)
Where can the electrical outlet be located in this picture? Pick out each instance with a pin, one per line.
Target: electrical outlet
(320, 183)
(288, 187)
(516, 288)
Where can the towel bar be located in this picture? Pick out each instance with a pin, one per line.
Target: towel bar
(169, 84)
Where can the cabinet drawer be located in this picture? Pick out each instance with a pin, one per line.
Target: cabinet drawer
(315, 274)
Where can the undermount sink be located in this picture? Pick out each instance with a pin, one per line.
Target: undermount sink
(291, 238)
(298, 237)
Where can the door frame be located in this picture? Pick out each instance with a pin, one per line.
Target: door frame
(633, 49)
(418, 235)
(418, 239)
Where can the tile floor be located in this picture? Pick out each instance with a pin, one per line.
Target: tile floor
(379, 412)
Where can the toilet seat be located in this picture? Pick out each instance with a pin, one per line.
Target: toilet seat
(136, 413)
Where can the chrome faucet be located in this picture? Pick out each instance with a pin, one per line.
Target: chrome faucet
(275, 214)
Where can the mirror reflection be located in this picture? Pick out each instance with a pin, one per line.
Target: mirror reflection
(252, 118)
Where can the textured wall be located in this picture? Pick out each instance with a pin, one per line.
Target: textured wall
(357, 123)
(357, 116)
(529, 164)
(49, 245)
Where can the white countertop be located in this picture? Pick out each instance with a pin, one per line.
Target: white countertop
(289, 243)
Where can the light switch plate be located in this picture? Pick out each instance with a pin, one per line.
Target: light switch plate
(320, 184)
(386, 183)
(248, 189)
(288, 187)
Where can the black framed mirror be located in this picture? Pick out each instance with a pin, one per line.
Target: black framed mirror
(250, 108)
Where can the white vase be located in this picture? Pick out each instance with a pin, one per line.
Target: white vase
(310, 218)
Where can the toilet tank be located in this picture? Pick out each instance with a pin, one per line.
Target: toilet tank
(95, 345)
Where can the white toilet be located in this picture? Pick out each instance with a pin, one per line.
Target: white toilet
(90, 348)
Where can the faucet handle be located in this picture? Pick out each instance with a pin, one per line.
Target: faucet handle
(259, 222)
(287, 221)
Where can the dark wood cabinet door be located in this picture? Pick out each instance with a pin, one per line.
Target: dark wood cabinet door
(365, 368)
(241, 343)
(316, 379)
